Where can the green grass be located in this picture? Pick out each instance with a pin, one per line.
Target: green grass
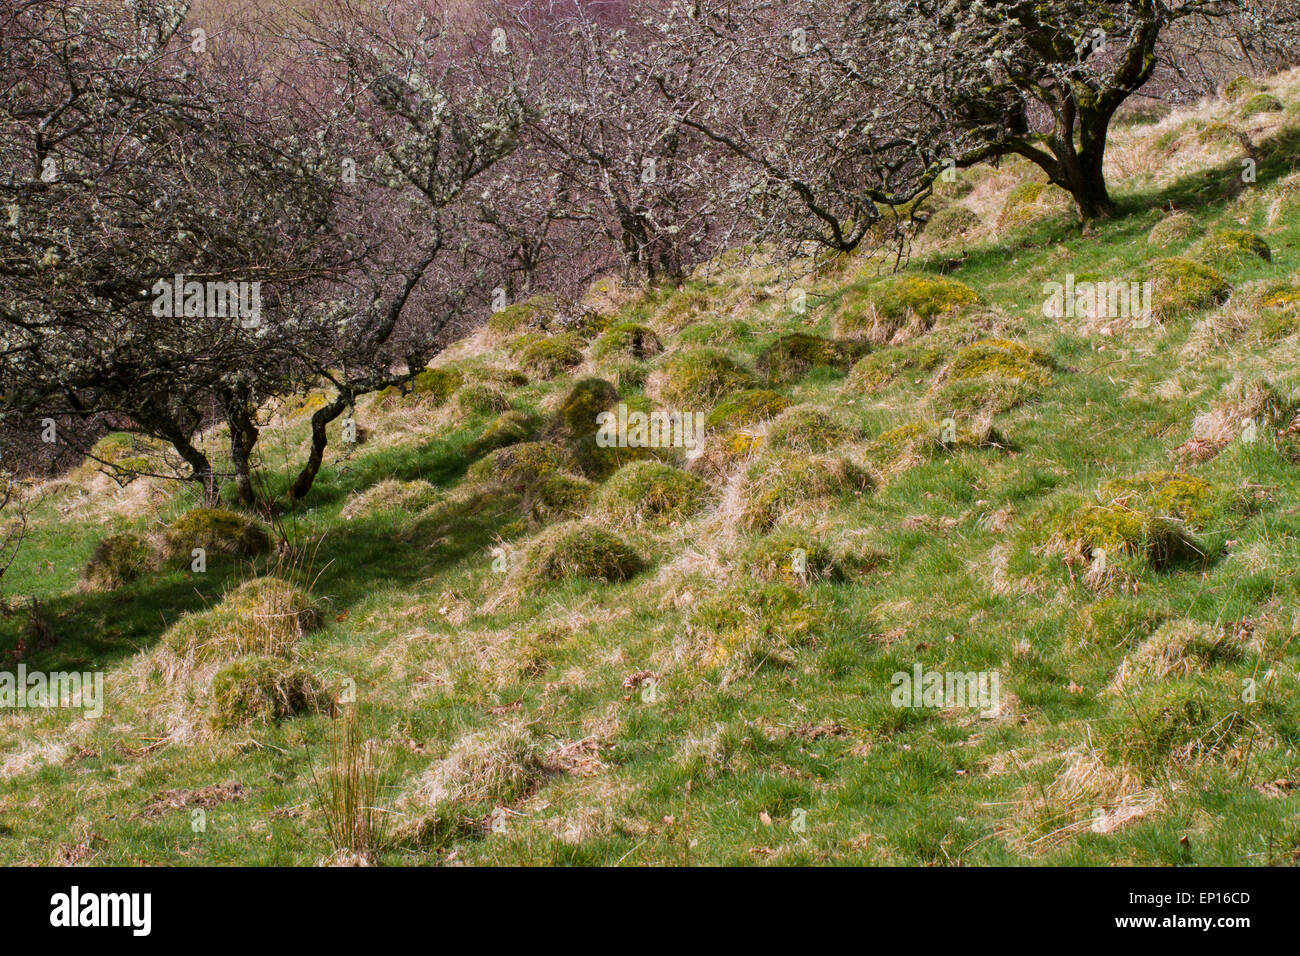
(670, 731)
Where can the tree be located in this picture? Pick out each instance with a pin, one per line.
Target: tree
(137, 156)
(843, 107)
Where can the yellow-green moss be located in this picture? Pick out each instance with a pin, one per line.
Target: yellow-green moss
(651, 492)
(881, 308)
(215, 529)
(518, 466)
(630, 339)
(1184, 285)
(1123, 532)
(578, 549)
(557, 496)
(508, 428)
(792, 356)
(581, 406)
(747, 408)
(1164, 494)
(1000, 358)
(1227, 248)
(537, 312)
(779, 482)
(117, 560)
(1029, 203)
(547, 355)
(698, 377)
(261, 690)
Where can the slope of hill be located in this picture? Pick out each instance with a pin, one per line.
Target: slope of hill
(567, 653)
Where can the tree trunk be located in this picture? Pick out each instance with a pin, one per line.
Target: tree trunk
(243, 439)
(322, 417)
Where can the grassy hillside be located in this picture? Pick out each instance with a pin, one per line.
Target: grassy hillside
(570, 654)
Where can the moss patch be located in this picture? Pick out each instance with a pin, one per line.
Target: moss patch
(793, 356)
(391, 495)
(215, 529)
(628, 339)
(653, 493)
(747, 408)
(117, 560)
(547, 355)
(1229, 248)
(261, 690)
(878, 311)
(1184, 285)
(699, 377)
(578, 549)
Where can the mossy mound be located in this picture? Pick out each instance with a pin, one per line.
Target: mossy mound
(747, 408)
(117, 560)
(952, 222)
(264, 616)
(874, 372)
(628, 339)
(518, 466)
(685, 307)
(900, 448)
(508, 428)
(480, 398)
(792, 356)
(1261, 103)
(1123, 532)
(879, 310)
(578, 549)
(557, 496)
(1175, 723)
(537, 313)
(1164, 494)
(1178, 648)
(584, 402)
(547, 355)
(1241, 87)
(1183, 285)
(1031, 203)
(1174, 228)
(431, 387)
(214, 529)
(716, 333)
(129, 454)
(1229, 248)
(698, 377)
(794, 557)
(754, 624)
(650, 492)
(262, 690)
(778, 484)
(810, 429)
(390, 495)
(1001, 359)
